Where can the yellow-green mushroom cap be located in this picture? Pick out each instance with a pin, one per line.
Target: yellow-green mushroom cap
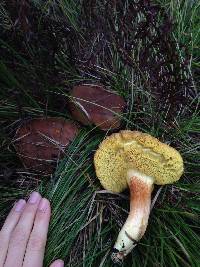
(133, 150)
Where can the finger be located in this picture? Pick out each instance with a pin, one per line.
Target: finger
(57, 263)
(36, 245)
(21, 233)
(10, 223)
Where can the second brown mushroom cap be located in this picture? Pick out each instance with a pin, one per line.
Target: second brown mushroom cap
(93, 104)
(40, 142)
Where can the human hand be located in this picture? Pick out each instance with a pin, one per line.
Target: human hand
(24, 234)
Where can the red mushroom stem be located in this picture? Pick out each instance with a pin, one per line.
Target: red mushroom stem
(135, 226)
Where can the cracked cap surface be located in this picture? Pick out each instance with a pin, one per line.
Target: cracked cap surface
(135, 150)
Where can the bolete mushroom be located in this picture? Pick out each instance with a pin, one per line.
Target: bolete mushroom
(40, 142)
(93, 104)
(136, 160)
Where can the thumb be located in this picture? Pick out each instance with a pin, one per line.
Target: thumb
(57, 263)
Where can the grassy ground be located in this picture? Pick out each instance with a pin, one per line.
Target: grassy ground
(152, 60)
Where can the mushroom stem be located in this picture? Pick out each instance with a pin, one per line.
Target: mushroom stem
(135, 226)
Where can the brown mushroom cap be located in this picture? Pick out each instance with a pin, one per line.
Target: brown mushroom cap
(138, 151)
(40, 142)
(93, 104)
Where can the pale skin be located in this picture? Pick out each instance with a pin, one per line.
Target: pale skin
(24, 234)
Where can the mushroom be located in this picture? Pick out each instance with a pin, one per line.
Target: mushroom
(136, 160)
(40, 142)
(93, 104)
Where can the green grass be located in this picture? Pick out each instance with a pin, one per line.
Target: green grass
(173, 231)
(72, 42)
(185, 15)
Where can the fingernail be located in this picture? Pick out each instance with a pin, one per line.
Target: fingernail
(43, 205)
(34, 197)
(59, 263)
(20, 205)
